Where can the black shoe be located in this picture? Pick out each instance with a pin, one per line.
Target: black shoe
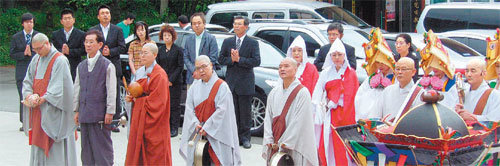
(116, 130)
(21, 129)
(247, 145)
(174, 133)
(78, 128)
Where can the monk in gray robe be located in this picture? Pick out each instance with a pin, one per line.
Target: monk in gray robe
(47, 93)
(210, 113)
(291, 130)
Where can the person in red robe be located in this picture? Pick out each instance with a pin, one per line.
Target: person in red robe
(307, 73)
(149, 139)
(333, 98)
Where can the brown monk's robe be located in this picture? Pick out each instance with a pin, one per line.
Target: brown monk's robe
(149, 140)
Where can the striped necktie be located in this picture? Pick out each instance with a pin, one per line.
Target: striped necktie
(238, 44)
(28, 39)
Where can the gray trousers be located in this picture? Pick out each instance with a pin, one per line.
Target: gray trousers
(97, 147)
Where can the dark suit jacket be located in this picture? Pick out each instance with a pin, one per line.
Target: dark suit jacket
(75, 44)
(239, 75)
(172, 62)
(208, 47)
(116, 44)
(17, 47)
(351, 56)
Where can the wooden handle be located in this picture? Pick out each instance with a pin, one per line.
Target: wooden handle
(125, 84)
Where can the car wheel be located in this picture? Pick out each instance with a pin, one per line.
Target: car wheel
(258, 114)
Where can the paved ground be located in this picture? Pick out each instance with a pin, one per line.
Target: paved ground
(14, 148)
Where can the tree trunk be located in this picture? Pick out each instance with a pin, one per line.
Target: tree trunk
(163, 7)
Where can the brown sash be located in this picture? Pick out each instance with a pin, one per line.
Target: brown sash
(412, 98)
(204, 110)
(279, 122)
(482, 102)
(37, 136)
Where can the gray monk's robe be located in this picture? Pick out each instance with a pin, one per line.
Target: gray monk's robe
(299, 133)
(57, 115)
(220, 127)
(394, 99)
(492, 108)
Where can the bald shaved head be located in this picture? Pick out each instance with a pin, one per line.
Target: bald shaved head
(475, 72)
(288, 68)
(477, 63)
(405, 70)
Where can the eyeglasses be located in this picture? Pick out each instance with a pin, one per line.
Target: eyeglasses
(402, 69)
(337, 54)
(38, 48)
(201, 67)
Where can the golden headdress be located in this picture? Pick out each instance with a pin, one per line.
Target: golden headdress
(434, 55)
(377, 50)
(492, 56)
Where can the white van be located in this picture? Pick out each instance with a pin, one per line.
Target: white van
(223, 13)
(444, 17)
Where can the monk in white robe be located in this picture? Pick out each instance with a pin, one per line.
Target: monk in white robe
(471, 109)
(395, 97)
(294, 133)
(217, 114)
(333, 99)
(49, 117)
(306, 73)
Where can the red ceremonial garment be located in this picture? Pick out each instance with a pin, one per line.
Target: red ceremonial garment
(149, 140)
(203, 112)
(37, 136)
(309, 77)
(340, 116)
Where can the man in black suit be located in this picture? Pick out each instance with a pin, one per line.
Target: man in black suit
(69, 40)
(241, 54)
(335, 30)
(21, 51)
(114, 44)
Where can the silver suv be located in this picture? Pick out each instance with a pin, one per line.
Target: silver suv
(223, 13)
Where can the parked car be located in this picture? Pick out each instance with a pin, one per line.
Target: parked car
(444, 17)
(459, 53)
(474, 38)
(281, 34)
(266, 75)
(223, 13)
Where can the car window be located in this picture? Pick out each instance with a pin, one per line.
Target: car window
(268, 15)
(270, 55)
(441, 20)
(226, 19)
(478, 45)
(484, 19)
(296, 14)
(336, 13)
(459, 48)
(275, 37)
(311, 44)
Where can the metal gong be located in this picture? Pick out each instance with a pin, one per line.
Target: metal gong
(281, 159)
(201, 156)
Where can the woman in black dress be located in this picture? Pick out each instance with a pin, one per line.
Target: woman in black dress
(405, 49)
(170, 59)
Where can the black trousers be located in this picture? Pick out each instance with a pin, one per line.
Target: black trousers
(175, 107)
(243, 111)
(19, 84)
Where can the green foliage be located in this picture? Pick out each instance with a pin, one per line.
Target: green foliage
(47, 15)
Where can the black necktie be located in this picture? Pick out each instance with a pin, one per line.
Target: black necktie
(238, 44)
(28, 39)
